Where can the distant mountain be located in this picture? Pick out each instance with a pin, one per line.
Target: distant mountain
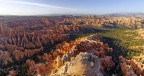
(139, 14)
(126, 14)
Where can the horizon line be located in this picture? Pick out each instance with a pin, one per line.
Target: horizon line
(56, 14)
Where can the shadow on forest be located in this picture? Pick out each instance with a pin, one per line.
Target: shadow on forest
(111, 27)
(84, 32)
(117, 51)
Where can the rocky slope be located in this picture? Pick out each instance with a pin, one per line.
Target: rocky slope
(77, 58)
(31, 46)
(83, 64)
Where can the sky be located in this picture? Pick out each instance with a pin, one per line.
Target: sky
(47, 7)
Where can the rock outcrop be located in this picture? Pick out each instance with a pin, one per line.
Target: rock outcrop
(84, 63)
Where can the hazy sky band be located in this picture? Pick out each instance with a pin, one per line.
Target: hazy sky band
(45, 7)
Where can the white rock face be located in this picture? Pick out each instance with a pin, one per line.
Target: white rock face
(84, 64)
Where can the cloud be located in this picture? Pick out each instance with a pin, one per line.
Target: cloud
(16, 7)
(38, 4)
